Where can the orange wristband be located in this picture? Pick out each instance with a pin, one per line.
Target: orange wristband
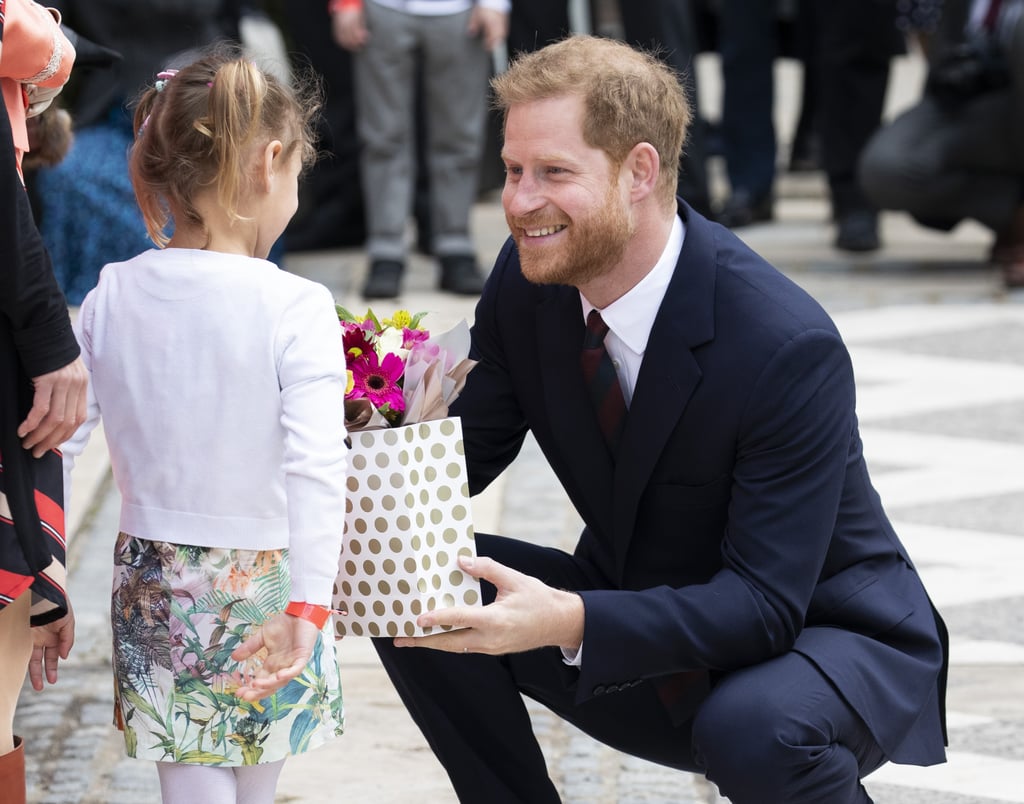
(334, 6)
(307, 611)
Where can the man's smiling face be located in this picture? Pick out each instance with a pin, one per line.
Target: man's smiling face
(563, 199)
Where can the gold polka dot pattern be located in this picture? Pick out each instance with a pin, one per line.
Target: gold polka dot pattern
(408, 519)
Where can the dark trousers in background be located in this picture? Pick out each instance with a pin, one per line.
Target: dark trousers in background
(330, 197)
(856, 41)
(748, 44)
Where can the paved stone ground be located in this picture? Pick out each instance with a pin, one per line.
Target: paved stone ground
(938, 348)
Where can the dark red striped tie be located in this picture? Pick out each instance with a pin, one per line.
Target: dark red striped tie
(991, 15)
(602, 381)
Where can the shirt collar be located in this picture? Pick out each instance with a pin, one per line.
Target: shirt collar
(631, 316)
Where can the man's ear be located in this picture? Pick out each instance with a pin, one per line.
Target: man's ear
(644, 166)
(268, 163)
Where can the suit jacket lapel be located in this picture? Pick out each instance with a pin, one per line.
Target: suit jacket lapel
(668, 375)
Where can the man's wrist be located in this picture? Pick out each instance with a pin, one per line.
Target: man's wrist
(572, 620)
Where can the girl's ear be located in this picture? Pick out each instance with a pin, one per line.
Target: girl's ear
(268, 163)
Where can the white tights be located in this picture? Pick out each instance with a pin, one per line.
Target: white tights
(187, 784)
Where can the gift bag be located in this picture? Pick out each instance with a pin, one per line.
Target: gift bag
(408, 520)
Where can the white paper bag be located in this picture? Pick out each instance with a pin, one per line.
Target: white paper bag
(408, 519)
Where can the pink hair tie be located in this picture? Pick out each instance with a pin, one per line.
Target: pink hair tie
(162, 78)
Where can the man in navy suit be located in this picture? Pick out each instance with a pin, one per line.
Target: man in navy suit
(738, 604)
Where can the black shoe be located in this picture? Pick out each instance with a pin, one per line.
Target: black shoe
(384, 279)
(857, 231)
(459, 274)
(742, 209)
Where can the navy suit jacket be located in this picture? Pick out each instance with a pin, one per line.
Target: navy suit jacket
(737, 521)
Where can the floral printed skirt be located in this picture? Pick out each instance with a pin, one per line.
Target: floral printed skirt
(178, 611)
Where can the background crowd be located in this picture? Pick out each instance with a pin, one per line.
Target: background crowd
(389, 182)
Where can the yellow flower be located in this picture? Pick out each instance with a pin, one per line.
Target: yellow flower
(351, 382)
(401, 318)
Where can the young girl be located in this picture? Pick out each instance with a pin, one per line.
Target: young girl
(220, 381)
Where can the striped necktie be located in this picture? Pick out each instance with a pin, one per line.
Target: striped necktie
(991, 15)
(602, 381)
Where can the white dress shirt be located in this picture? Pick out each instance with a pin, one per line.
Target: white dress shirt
(631, 316)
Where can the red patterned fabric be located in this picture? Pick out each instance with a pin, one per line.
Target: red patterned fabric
(49, 601)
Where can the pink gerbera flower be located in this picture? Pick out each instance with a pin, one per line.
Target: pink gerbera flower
(378, 381)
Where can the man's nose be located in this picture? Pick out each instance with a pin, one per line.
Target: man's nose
(521, 197)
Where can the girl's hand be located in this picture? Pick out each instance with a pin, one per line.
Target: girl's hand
(282, 647)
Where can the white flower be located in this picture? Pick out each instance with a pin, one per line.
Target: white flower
(390, 342)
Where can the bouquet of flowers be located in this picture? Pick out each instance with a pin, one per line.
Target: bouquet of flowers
(398, 373)
(408, 514)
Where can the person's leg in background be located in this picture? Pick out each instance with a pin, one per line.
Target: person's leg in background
(857, 40)
(669, 29)
(948, 159)
(456, 71)
(330, 196)
(532, 24)
(385, 87)
(748, 44)
(1008, 248)
(805, 149)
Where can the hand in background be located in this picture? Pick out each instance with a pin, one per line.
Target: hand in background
(50, 644)
(489, 24)
(349, 28)
(286, 643)
(58, 407)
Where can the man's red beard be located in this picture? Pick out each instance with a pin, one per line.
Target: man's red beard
(591, 247)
